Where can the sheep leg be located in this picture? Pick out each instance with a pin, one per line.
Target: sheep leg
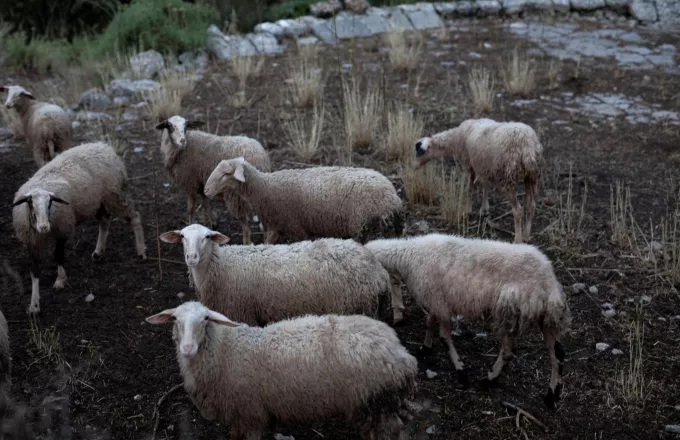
(104, 224)
(431, 322)
(445, 333)
(191, 206)
(237, 208)
(530, 188)
(471, 183)
(39, 157)
(397, 302)
(505, 355)
(272, 237)
(556, 358)
(210, 220)
(511, 192)
(34, 307)
(59, 258)
(121, 206)
(484, 210)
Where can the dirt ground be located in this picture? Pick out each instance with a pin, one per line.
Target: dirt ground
(95, 370)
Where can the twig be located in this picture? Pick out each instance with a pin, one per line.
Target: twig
(525, 414)
(143, 176)
(167, 261)
(156, 411)
(519, 426)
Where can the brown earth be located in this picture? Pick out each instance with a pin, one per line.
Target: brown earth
(105, 368)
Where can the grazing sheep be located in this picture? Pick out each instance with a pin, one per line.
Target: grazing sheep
(501, 154)
(81, 183)
(513, 283)
(311, 202)
(46, 126)
(190, 156)
(265, 283)
(5, 359)
(303, 369)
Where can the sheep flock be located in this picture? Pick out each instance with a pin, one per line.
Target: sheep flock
(299, 327)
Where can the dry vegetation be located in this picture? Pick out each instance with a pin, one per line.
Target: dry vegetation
(305, 83)
(422, 186)
(403, 129)
(304, 133)
(403, 54)
(244, 68)
(520, 75)
(166, 101)
(362, 113)
(482, 83)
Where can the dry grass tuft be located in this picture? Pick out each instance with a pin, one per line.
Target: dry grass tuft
(454, 199)
(568, 227)
(362, 113)
(621, 215)
(520, 75)
(46, 341)
(245, 68)
(308, 53)
(481, 83)
(421, 186)
(634, 388)
(403, 130)
(304, 135)
(166, 101)
(305, 84)
(403, 55)
(11, 120)
(670, 239)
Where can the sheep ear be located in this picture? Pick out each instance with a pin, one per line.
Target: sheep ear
(193, 125)
(3, 89)
(239, 174)
(163, 125)
(21, 201)
(219, 318)
(161, 318)
(171, 237)
(27, 95)
(218, 238)
(58, 200)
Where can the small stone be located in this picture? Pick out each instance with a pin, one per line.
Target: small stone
(89, 298)
(422, 226)
(646, 299)
(617, 352)
(430, 374)
(481, 335)
(609, 313)
(180, 295)
(95, 99)
(578, 287)
(474, 55)
(673, 429)
(602, 346)
(120, 101)
(125, 87)
(146, 65)
(593, 290)
(607, 306)
(137, 397)
(89, 116)
(75, 124)
(279, 436)
(430, 430)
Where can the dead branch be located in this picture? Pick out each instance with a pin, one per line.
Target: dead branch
(156, 411)
(529, 417)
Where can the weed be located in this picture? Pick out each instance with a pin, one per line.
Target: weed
(568, 226)
(362, 111)
(403, 55)
(46, 341)
(481, 83)
(305, 84)
(421, 185)
(520, 75)
(403, 130)
(634, 388)
(454, 199)
(621, 216)
(304, 135)
(245, 67)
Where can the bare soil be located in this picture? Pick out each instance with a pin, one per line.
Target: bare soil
(103, 368)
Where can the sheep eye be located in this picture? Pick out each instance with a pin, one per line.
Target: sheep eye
(181, 236)
(206, 318)
(173, 318)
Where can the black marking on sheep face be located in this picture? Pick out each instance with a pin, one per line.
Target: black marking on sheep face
(419, 150)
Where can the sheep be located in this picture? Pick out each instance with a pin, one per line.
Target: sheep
(514, 283)
(190, 156)
(46, 126)
(311, 202)
(265, 283)
(493, 153)
(5, 359)
(81, 183)
(301, 369)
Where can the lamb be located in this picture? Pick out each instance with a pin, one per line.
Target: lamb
(190, 156)
(5, 359)
(81, 183)
(493, 153)
(514, 283)
(46, 126)
(266, 283)
(301, 369)
(311, 202)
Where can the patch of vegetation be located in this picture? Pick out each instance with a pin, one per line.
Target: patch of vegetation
(288, 9)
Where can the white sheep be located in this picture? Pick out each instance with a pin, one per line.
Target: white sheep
(46, 126)
(266, 283)
(311, 202)
(513, 283)
(190, 156)
(501, 154)
(81, 183)
(5, 356)
(303, 369)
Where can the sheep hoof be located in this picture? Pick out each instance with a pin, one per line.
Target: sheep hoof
(549, 399)
(558, 392)
(59, 284)
(142, 256)
(462, 378)
(34, 308)
(397, 319)
(96, 256)
(488, 384)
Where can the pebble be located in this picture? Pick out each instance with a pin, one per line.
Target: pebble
(602, 346)
(430, 430)
(180, 295)
(89, 298)
(578, 287)
(674, 429)
(617, 352)
(646, 298)
(430, 374)
(138, 397)
(138, 149)
(279, 436)
(593, 290)
(481, 335)
(609, 313)
(607, 306)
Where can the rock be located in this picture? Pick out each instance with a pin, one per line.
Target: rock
(325, 9)
(186, 58)
(593, 290)
(292, 28)
(467, 8)
(646, 299)
(356, 6)
(430, 430)
(422, 15)
(422, 226)
(125, 87)
(644, 11)
(95, 99)
(673, 429)
(609, 313)
(669, 13)
(488, 7)
(90, 116)
(225, 47)
(350, 26)
(89, 298)
(269, 28)
(279, 436)
(137, 397)
(146, 65)
(578, 287)
(540, 6)
(394, 16)
(513, 7)
(617, 352)
(304, 41)
(75, 124)
(620, 6)
(601, 346)
(266, 44)
(430, 374)
(180, 295)
(120, 101)
(587, 5)
(607, 306)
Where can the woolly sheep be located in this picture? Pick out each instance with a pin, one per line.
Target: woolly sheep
(190, 156)
(265, 283)
(46, 126)
(5, 359)
(514, 283)
(311, 202)
(495, 154)
(302, 369)
(83, 182)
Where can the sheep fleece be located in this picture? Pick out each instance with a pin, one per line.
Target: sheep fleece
(44, 122)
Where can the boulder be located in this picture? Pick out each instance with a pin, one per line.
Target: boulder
(146, 65)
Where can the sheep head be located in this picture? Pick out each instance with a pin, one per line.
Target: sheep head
(15, 94)
(227, 175)
(177, 127)
(197, 241)
(191, 320)
(423, 152)
(39, 202)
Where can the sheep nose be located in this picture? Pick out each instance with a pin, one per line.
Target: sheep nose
(192, 258)
(44, 228)
(187, 350)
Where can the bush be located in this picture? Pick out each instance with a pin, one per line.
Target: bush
(169, 26)
(288, 9)
(37, 54)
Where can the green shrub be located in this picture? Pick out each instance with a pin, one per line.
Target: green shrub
(288, 9)
(37, 54)
(168, 26)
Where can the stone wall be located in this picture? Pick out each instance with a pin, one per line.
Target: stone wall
(268, 38)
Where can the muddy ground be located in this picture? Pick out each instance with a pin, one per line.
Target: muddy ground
(101, 369)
